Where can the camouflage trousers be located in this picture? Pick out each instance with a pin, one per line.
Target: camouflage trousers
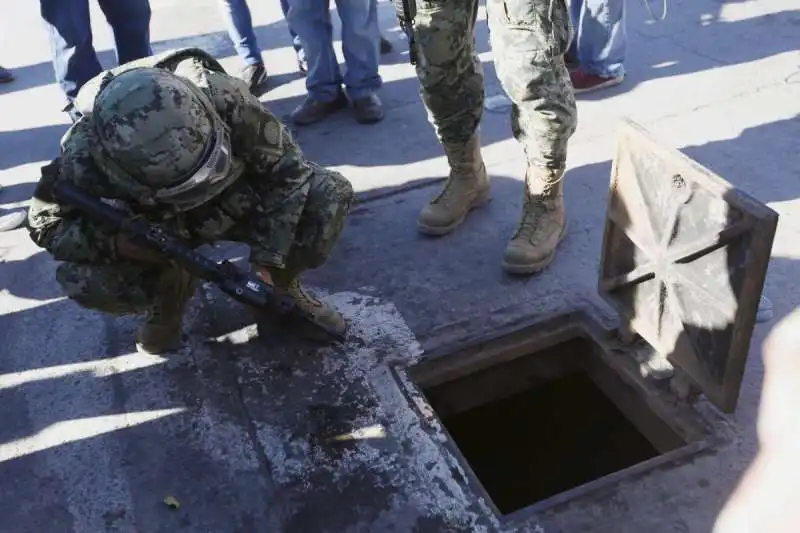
(529, 39)
(130, 287)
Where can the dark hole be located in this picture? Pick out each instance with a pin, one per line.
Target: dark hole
(545, 435)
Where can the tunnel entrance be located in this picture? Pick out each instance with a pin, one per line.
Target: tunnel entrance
(547, 422)
(542, 413)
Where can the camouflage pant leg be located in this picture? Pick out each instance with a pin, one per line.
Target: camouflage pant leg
(529, 39)
(322, 214)
(449, 71)
(327, 206)
(120, 289)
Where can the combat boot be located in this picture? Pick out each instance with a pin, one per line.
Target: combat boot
(320, 313)
(466, 188)
(161, 330)
(542, 225)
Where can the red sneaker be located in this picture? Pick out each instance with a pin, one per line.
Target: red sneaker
(583, 81)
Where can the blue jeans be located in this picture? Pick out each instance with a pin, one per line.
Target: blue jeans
(311, 20)
(68, 25)
(240, 28)
(599, 43)
(298, 47)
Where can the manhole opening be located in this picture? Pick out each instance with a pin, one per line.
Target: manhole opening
(545, 423)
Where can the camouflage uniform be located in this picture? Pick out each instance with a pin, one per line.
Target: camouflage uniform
(289, 211)
(529, 39)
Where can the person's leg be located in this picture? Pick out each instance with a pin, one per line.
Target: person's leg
(330, 196)
(361, 48)
(239, 24)
(451, 79)
(158, 292)
(325, 206)
(130, 22)
(312, 22)
(600, 45)
(70, 32)
(576, 12)
(295, 39)
(529, 39)
(302, 64)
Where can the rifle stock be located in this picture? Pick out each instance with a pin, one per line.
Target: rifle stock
(238, 283)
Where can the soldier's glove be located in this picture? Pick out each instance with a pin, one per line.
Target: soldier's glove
(128, 250)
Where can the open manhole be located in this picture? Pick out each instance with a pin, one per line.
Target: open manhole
(550, 412)
(546, 423)
(557, 421)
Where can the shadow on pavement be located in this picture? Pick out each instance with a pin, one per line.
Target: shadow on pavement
(442, 286)
(404, 136)
(762, 160)
(21, 147)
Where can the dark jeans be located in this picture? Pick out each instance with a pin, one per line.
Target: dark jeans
(295, 39)
(74, 59)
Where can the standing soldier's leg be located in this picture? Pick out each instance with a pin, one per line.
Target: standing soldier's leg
(451, 77)
(159, 292)
(529, 39)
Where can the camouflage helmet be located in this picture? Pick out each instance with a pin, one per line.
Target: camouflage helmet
(157, 132)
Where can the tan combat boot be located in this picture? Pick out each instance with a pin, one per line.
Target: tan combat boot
(542, 225)
(320, 313)
(161, 330)
(466, 188)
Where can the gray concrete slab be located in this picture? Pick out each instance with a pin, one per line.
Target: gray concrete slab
(95, 436)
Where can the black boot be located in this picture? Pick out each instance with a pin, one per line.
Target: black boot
(311, 110)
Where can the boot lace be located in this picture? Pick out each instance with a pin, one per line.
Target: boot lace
(534, 209)
(296, 290)
(451, 193)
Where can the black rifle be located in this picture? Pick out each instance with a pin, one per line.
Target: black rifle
(406, 11)
(240, 284)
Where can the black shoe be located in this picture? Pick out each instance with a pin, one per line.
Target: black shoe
(368, 109)
(386, 46)
(5, 75)
(311, 110)
(255, 76)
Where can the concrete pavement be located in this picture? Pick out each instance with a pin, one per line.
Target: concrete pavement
(94, 436)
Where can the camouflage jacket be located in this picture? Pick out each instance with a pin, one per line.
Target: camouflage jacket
(276, 177)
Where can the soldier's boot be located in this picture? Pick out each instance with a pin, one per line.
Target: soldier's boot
(542, 225)
(466, 188)
(161, 330)
(321, 313)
